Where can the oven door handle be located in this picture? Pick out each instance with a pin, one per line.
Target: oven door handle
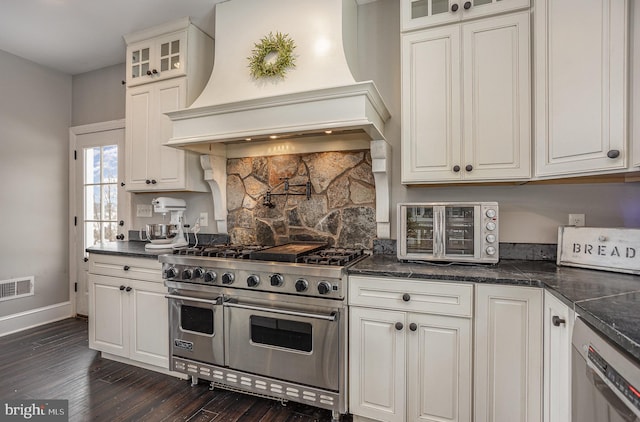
(331, 317)
(217, 301)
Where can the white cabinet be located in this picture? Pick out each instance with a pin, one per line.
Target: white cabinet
(157, 59)
(188, 53)
(558, 328)
(151, 166)
(128, 312)
(508, 354)
(173, 49)
(409, 350)
(466, 101)
(581, 86)
(417, 14)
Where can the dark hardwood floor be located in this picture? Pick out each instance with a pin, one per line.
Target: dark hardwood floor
(54, 361)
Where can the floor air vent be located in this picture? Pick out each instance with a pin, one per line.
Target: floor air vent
(16, 287)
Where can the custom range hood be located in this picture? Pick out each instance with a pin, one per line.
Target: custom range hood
(317, 106)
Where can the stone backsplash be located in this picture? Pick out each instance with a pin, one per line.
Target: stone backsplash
(340, 211)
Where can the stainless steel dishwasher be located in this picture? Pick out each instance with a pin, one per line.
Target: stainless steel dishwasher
(605, 380)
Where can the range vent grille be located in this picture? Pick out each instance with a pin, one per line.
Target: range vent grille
(16, 287)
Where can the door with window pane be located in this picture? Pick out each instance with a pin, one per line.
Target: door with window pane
(100, 200)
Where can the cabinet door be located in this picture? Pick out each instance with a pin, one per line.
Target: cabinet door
(431, 138)
(170, 58)
(139, 62)
(508, 354)
(439, 368)
(557, 359)
(138, 135)
(377, 364)
(108, 328)
(496, 77)
(149, 324)
(580, 86)
(168, 163)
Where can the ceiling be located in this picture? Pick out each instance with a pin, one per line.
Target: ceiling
(77, 36)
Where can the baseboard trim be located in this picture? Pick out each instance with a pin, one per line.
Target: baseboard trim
(34, 317)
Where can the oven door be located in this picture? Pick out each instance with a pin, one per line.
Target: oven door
(196, 328)
(287, 343)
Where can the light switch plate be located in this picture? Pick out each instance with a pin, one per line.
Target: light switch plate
(204, 219)
(144, 210)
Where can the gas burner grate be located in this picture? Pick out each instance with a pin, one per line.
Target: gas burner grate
(221, 251)
(332, 256)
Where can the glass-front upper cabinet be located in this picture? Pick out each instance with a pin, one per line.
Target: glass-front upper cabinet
(426, 13)
(157, 59)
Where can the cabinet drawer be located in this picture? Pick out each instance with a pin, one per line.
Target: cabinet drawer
(126, 267)
(443, 298)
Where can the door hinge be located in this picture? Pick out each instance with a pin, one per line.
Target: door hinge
(75, 154)
(75, 287)
(75, 221)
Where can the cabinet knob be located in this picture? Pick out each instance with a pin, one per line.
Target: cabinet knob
(469, 167)
(467, 5)
(614, 153)
(128, 289)
(456, 168)
(121, 223)
(122, 184)
(121, 288)
(413, 326)
(120, 236)
(154, 71)
(126, 268)
(556, 320)
(454, 7)
(153, 181)
(406, 297)
(399, 326)
(85, 259)
(148, 73)
(148, 182)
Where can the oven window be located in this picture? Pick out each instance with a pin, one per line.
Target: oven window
(282, 333)
(199, 320)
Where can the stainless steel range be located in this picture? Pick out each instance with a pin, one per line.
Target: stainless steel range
(269, 321)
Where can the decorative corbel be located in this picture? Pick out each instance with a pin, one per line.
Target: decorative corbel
(215, 173)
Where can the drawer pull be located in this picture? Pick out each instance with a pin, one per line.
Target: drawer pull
(399, 326)
(406, 297)
(126, 268)
(128, 289)
(121, 288)
(556, 320)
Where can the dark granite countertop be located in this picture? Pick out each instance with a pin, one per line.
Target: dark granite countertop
(608, 301)
(131, 248)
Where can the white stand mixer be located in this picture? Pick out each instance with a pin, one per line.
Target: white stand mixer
(167, 236)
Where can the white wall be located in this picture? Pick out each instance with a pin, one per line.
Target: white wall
(99, 96)
(529, 213)
(35, 115)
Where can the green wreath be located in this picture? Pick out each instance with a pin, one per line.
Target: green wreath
(278, 43)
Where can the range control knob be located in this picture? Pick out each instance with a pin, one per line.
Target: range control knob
(277, 280)
(490, 250)
(187, 274)
(227, 278)
(490, 213)
(170, 273)
(252, 281)
(491, 225)
(198, 272)
(301, 285)
(210, 276)
(491, 238)
(324, 288)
